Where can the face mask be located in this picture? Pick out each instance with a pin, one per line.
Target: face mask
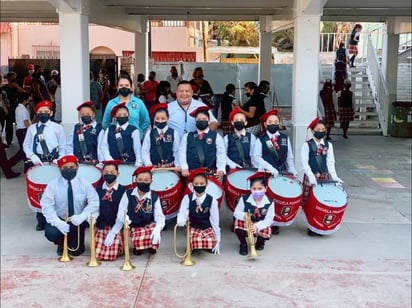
(69, 173)
(199, 189)
(202, 125)
(272, 128)
(86, 119)
(110, 178)
(122, 120)
(43, 117)
(248, 94)
(239, 125)
(174, 74)
(258, 194)
(151, 78)
(140, 79)
(200, 76)
(124, 92)
(144, 187)
(160, 125)
(319, 135)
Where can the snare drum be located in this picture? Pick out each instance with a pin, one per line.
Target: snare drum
(287, 195)
(166, 184)
(213, 188)
(125, 177)
(325, 207)
(90, 174)
(236, 186)
(37, 179)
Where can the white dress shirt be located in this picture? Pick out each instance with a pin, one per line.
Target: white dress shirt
(239, 212)
(330, 160)
(54, 201)
(146, 146)
(220, 152)
(183, 213)
(22, 114)
(230, 162)
(104, 148)
(53, 134)
(263, 164)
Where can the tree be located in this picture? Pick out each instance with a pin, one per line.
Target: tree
(235, 33)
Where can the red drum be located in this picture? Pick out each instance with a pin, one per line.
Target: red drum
(287, 195)
(236, 186)
(214, 188)
(37, 179)
(166, 184)
(125, 177)
(90, 174)
(325, 207)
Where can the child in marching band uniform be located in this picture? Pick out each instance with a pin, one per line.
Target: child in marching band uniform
(203, 213)
(239, 144)
(160, 144)
(86, 136)
(262, 210)
(109, 238)
(318, 161)
(122, 140)
(144, 213)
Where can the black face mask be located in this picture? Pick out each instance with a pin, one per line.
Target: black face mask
(160, 125)
(144, 187)
(110, 178)
(199, 189)
(68, 173)
(140, 79)
(239, 125)
(272, 128)
(124, 91)
(122, 120)
(86, 119)
(319, 135)
(43, 117)
(151, 78)
(248, 94)
(202, 125)
(174, 74)
(200, 76)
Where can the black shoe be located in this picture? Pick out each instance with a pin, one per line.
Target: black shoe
(311, 233)
(243, 249)
(260, 243)
(59, 250)
(151, 251)
(39, 227)
(137, 252)
(344, 136)
(12, 175)
(275, 230)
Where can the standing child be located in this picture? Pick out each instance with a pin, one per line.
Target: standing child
(346, 107)
(161, 143)
(22, 124)
(109, 239)
(326, 95)
(227, 104)
(203, 213)
(145, 213)
(261, 209)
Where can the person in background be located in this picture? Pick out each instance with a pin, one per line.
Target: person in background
(174, 78)
(353, 43)
(227, 103)
(27, 81)
(39, 87)
(149, 90)
(58, 101)
(346, 107)
(341, 73)
(105, 84)
(201, 87)
(163, 92)
(326, 95)
(96, 96)
(342, 51)
(22, 123)
(264, 88)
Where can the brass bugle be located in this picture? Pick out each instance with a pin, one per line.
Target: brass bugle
(65, 255)
(93, 262)
(248, 224)
(127, 264)
(187, 257)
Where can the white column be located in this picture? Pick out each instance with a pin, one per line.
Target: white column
(141, 54)
(265, 49)
(74, 64)
(305, 90)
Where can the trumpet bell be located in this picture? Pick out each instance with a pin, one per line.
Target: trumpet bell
(252, 253)
(127, 266)
(187, 261)
(65, 258)
(93, 263)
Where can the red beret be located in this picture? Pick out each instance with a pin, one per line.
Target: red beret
(117, 107)
(142, 169)
(156, 107)
(195, 172)
(115, 162)
(86, 104)
(234, 112)
(47, 104)
(265, 116)
(30, 66)
(67, 159)
(260, 175)
(199, 109)
(313, 123)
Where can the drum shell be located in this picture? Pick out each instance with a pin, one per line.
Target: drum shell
(232, 192)
(169, 198)
(322, 218)
(286, 208)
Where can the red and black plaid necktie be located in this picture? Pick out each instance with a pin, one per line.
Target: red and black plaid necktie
(162, 135)
(320, 149)
(108, 195)
(201, 135)
(275, 142)
(139, 204)
(85, 127)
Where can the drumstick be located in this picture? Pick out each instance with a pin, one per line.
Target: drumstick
(166, 169)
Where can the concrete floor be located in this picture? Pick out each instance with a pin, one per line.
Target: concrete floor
(367, 263)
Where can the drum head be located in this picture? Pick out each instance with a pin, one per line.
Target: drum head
(285, 187)
(125, 177)
(164, 180)
(43, 174)
(89, 173)
(239, 179)
(214, 190)
(330, 195)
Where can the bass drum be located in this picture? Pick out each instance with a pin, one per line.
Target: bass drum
(236, 186)
(166, 184)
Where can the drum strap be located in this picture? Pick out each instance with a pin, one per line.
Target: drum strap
(159, 143)
(200, 152)
(83, 146)
(272, 150)
(40, 137)
(119, 143)
(240, 150)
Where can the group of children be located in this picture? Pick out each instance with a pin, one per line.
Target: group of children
(197, 155)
